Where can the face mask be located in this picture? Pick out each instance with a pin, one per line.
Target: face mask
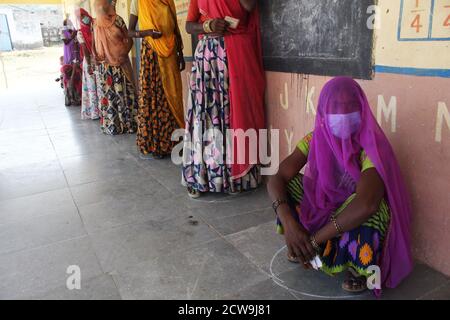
(86, 20)
(344, 125)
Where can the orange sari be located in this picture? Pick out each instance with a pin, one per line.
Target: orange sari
(161, 15)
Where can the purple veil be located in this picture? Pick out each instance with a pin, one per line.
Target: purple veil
(333, 169)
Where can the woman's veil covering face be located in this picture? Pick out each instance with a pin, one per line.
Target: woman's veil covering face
(344, 127)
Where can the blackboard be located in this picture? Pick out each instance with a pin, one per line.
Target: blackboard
(322, 37)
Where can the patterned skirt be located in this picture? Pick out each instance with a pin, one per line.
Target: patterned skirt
(118, 105)
(205, 167)
(156, 122)
(358, 248)
(89, 98)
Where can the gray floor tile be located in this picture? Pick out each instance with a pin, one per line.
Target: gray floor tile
(95, 167)
(211, 271)
(35, 272)
(264, 247)
(221, 205)
(158, 206)
(31, 179)
(422, 281)
(233, 224)
(440, 293)
(265, 290)
(40, 231)
(46, 203)
(126, 187)
(98, 288)
(132, 244)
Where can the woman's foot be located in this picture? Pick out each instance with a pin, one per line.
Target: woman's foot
(234, 193)
(150, 156)
(291, 258)
(147, 156)
(194, 194)
(354, 283)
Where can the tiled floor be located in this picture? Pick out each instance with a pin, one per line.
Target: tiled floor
(70, 195)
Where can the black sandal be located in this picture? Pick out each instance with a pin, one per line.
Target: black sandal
(354, 283)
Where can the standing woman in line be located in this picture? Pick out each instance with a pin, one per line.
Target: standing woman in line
(71, 70)
(89, 98)
(226, 92)
(160, 93)
(111, 47)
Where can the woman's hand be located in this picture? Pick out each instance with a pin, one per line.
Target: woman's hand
(297, 239)
(181, 61)
(219, 26)
(155, 34)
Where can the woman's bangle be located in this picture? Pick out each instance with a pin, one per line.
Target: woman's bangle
(207, 26)
(314, 244)
(336, 226)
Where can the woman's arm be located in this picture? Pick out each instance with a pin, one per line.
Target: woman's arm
(296, 236)
(369, 193)
(133, 33)
(128, 41)
(248, 5)
(218, 27)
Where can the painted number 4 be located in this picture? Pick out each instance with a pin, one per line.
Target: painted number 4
(447, 21)
(416, 23)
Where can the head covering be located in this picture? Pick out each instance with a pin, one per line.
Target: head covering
(109, 39)
(85, 28)
(247, 77)
(159, 15)
(333, 169)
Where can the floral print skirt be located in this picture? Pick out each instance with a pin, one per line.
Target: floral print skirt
(205, 167)
(118, 105)
(89, 98)
(358, 248)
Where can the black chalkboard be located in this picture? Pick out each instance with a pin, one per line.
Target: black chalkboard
(322, 37)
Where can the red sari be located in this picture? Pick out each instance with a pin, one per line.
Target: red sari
(247, 80)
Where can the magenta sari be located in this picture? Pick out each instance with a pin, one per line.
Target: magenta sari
(332, 161)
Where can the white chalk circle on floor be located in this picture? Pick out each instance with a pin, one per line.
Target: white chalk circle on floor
(309, 283)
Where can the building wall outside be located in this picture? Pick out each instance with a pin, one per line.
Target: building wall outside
(32, 26)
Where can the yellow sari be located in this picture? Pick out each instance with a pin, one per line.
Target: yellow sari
(161, 15)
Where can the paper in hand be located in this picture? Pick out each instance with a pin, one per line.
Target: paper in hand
(316, 263)
(233, 22)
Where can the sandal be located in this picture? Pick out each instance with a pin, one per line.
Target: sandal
(194, 194)
(234, 193)
(291, 258)
(354, 283)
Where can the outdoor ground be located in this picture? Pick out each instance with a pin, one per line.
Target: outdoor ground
(70, 195)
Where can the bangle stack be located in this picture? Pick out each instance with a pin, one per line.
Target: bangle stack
(207, 26)
(314, 243)
(336, 226)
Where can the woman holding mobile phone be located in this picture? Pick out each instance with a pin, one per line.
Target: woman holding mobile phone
(226, 92)
(160, 90)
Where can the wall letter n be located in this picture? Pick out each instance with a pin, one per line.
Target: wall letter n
(442, 113)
